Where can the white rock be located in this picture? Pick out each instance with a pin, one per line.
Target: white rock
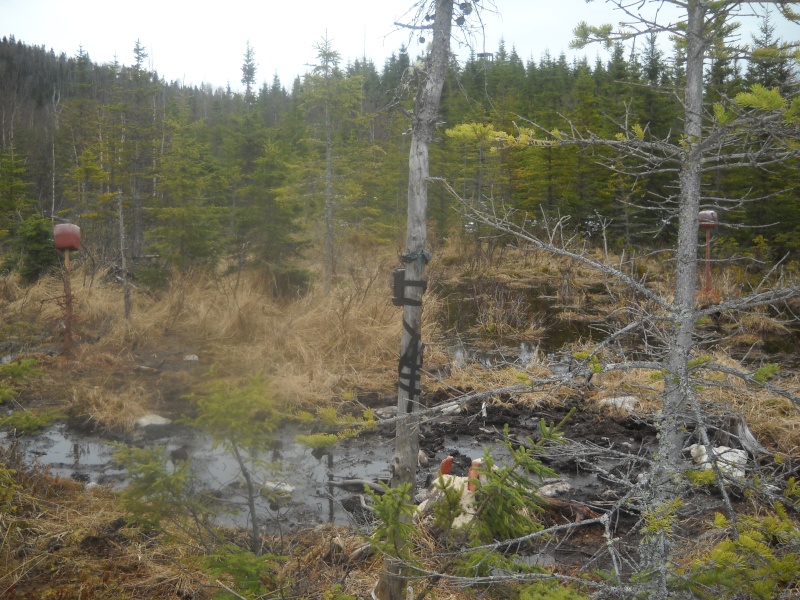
(148, 420)
(626, 403)
(731, 461)
(91, 485)
(422, 458)
(386, 413)
(191, 357)
(450, 409)
(554, 489)
(279, 487)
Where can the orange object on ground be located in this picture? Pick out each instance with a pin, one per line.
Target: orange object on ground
(472, 476)
(446, 466)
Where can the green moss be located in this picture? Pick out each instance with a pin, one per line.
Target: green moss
(701, 478)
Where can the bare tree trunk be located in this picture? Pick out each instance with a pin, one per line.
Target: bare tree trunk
(665, 481)
(126, 290)
(255, 544)
(423, 125)
(56, 102)
(138, 219)
(329, 258)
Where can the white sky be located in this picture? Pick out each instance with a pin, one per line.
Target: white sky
(200, 42)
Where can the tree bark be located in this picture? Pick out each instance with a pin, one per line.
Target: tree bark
(423, 125)
(666, 477)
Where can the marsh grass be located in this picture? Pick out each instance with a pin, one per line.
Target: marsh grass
(313, 348)
(319, 349)
(102, 407)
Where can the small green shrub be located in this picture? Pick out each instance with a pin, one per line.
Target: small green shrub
(346, 426)
(15, 372)
(318, 440)
(32, 250)
(19, 370)
(156, 494)
(154, 278)
(251, 574)
(23, 422)
(701, 478)
(760, 563)
(506, 496)
(549, 590)
(8, 487)
(394, 510)
(766, 372)
(6, 393)
(448, 508)
(335, 593)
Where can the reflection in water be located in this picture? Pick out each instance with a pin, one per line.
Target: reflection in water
(295, 467)
(296, 490)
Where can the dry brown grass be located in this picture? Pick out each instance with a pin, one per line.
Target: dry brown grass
(314, 348)
(62, 542)
(760, 323)
(773, 419)
(100, 407)
(317, 346)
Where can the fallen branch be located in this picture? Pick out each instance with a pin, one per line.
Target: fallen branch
(229, 590)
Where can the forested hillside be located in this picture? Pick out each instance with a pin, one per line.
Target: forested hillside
(200, 174)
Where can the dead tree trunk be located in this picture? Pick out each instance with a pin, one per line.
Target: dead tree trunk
(423, 124)
(126, 290)
(329, 256)
(665, 481)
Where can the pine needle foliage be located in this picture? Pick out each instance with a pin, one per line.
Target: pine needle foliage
(761, 561)
(448, 508)
(507, 507)
(157, 495)
(248, 573)
(506, 495)
(336, 427)
(394, 510)
(19, 370)
(238, 413)
(8, 488)
(23, 422)
(549, 590)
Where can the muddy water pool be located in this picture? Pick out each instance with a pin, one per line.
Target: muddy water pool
(295, 479)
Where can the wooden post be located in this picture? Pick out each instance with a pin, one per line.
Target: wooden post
(67, 305)
(708, 220)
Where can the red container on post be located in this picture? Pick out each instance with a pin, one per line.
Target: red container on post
(708, 219)
(67, 236)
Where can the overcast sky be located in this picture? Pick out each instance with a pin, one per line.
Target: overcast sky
(197, 42)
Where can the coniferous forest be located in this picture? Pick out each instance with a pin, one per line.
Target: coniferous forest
(200, 174)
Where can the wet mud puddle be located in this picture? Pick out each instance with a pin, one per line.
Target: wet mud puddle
(294, 480)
